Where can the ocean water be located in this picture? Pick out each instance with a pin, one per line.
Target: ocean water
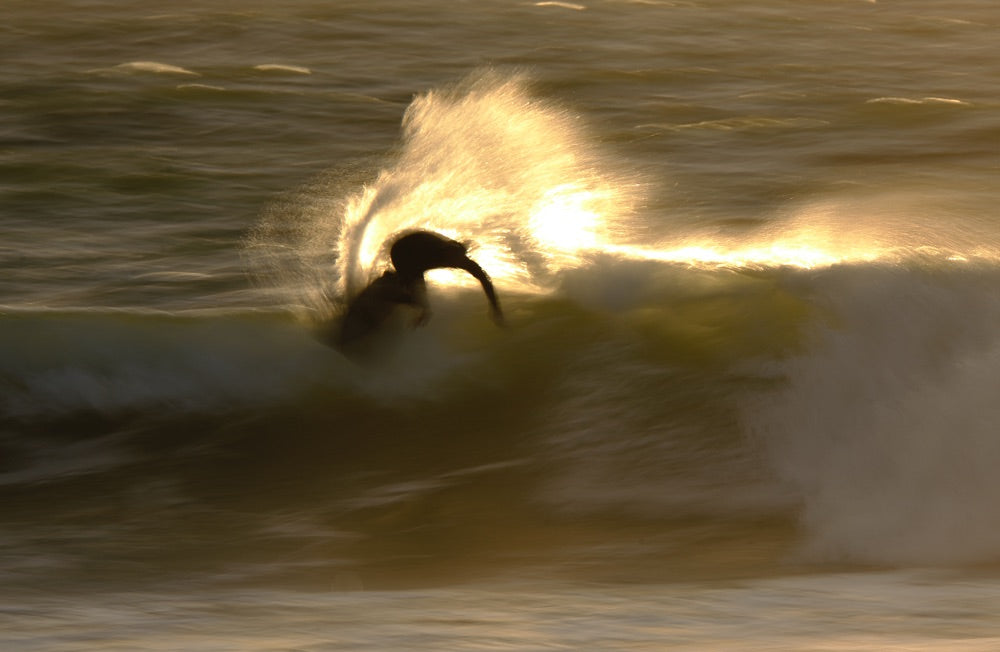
(749, 255)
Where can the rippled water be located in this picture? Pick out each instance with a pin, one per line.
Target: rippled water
(748, 254)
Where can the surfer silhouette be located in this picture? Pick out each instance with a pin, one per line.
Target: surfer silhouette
(412, 254)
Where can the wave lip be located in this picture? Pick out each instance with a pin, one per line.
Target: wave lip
(282, 68)
(922, 100)
(561, 5)
(149, 67)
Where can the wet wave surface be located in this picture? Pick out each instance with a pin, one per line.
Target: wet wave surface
(645, 420)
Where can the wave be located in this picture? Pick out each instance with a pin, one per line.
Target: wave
(148, 67)
(281, 68)
(857, 398)
(821, 384)
(61, 362)
(922, 100)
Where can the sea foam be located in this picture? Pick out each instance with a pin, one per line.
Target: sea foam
(886, 428)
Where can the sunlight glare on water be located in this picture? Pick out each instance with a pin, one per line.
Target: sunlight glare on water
(565, 221)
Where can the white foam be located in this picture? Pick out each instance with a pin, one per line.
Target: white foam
(561, 5)
(201, 87)
(921, 100)
(281, 68)
(887, 428)
(154, 67)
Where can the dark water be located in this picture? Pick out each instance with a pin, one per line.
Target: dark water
(748, 255)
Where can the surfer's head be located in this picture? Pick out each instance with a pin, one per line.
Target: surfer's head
(414, 253)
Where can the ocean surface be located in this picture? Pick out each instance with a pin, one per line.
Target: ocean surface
(746, 395)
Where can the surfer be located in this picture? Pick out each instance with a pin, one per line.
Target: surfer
(411, 254)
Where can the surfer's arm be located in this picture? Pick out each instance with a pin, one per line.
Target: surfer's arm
(472, 267)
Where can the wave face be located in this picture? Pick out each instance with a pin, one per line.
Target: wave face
(721, 416)
(820, 388)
